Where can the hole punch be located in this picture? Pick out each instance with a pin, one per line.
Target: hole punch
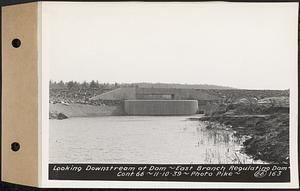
(16, 43)
(15, 146)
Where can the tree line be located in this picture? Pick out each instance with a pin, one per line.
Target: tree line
(74, 85)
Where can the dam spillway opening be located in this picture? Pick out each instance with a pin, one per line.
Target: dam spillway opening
(160, 107)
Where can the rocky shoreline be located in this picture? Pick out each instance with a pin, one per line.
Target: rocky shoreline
(265, 129)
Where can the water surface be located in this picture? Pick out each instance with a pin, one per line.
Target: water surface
(142, 139)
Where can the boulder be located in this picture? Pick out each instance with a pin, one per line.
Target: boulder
(275, 101)
(61, 116)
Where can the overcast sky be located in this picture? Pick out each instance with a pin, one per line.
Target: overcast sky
(240, 45)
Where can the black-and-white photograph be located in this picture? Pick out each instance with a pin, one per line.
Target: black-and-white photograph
(169, 83)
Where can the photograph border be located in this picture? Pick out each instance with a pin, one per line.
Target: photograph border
(107, 184)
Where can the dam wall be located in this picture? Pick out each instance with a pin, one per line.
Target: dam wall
(161, 107)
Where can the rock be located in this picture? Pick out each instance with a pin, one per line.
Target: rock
(55, 115)
(245, 101)
(209, 126)
(242, 101)
(52, 115)
(275, 101)
(61, 116)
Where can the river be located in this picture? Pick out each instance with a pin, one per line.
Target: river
(142, 139)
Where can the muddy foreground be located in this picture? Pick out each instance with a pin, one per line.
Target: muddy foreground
(266, 129)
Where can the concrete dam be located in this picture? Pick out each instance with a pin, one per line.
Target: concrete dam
(161, 107)
(158, 101)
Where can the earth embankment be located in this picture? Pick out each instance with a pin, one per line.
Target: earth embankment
(82, 110)
(264, 124)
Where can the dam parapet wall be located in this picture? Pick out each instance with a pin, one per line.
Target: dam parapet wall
(160, 107)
